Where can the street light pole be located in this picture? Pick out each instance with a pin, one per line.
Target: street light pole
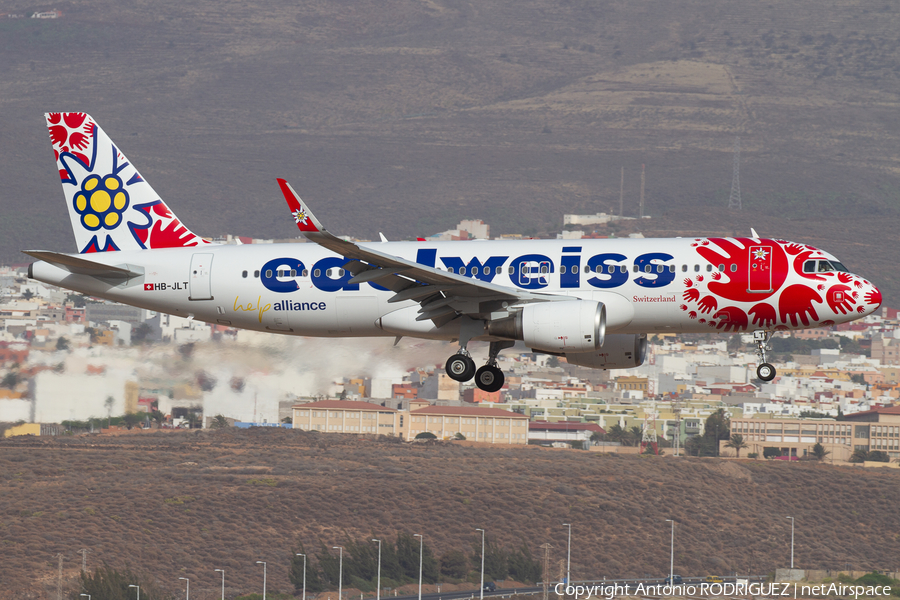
(340, 570)
(222, 571)
(263, 563)
(672, 554)
(187, 592)
(568, 555)
(421, 542)
(792, 541)
(138, 590)
(378, 590)
(481, 592)
(304, 575)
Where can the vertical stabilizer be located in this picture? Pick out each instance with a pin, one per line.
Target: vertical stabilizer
(111, 206)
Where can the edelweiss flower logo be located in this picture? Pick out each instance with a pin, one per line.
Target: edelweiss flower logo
(101, 202)
(760, 254)
(299, 216)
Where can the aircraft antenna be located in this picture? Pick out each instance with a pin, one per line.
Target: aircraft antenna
(642, 191)
(648, 435)
(734, 201)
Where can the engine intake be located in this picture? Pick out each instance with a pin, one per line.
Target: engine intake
(565, 326)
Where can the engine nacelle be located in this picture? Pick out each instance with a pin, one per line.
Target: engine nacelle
(565, 326)
(619, 351)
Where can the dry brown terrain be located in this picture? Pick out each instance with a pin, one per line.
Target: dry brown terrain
(406, 116)
(182, 504)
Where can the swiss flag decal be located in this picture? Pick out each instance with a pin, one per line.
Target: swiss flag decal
(148, 287)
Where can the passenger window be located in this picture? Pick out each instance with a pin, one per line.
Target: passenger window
(696, 268)
(708, 268)
(486, 270)
(305, 272)
(721, 268)
(498, 270)
(526, 270)
(268, 273)
(587, 268)
(684, 268)
(317, 273)
(659, 268)
(562, 270)
(512, 270)
(293, 272)
(636, 269)
(450, 269)
(612, 269)
(671, 268)
(733, 268)
(544, 270)
(574, 269)
(809, 266)
(256, 273)
(623, 269)
(244, 274)
(340, 272)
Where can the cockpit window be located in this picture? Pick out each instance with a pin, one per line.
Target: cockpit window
(839, 267)
(825, 266)
(809, 266)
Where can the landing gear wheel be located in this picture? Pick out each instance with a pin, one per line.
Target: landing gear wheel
(460, 367)
(489, 378)
(766, 372)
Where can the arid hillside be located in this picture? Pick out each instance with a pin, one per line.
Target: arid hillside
(406, 116)
(182, 504)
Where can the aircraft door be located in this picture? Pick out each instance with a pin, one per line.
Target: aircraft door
(760, 265)
(201, 269)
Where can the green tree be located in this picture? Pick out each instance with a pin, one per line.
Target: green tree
(718, 426)
(219, 422)
(859, 455)
(859, 378)
(426, 435)
(878, 456)
(454, 564)
(616, 434)
(28, 294)
(819, 451)
(132, 419)
(62, 343)
(77, 300)
(459, 436)
(496, 559)
(10, 380)
(700, 445)
(107, 583)
(313, 582)
(771, 452)
(634, 435)
(329, 565)
(141, 334)
(523, 566)
(408, 557)
(158, 417)
(736, 441)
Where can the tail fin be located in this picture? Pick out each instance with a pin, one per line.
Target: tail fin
(111, 206)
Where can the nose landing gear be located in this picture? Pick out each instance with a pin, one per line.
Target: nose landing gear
(765, 371)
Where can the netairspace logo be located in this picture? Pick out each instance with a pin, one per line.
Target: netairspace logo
(612, 590)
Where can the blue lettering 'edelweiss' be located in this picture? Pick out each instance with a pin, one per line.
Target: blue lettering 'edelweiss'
(528, 271)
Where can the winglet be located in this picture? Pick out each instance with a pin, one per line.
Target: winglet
(306, 221)
(755, 235)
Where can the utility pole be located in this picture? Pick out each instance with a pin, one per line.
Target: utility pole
(59, 581)
(545, 575)
(734, 200)
(83, 552)
(642, 191)
(622, 192)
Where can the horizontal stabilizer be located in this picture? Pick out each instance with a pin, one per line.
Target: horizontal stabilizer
(82, 266)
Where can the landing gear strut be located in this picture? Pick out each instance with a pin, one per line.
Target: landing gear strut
(764, 371)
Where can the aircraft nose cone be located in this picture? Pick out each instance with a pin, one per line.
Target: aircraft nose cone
(873, 299)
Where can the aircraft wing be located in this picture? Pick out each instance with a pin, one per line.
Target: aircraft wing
(442, 295)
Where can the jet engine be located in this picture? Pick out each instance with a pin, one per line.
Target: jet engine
(565, 326)
(619, 351)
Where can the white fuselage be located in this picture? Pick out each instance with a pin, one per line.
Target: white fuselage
(645, 284)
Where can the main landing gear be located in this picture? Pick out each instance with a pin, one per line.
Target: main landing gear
(764, 371)
(489, 378)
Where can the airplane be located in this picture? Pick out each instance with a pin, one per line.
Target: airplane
(591, 301)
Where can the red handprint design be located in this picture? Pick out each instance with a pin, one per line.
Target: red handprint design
(688, 282)
(873, 296)
(768, 257)
(794, 248)
(795, 305)
(763, 315)
(692, 314)
(691, 295)
(699, 277)
(707, 304)
(731, 319)
(838, 299)
(683, 307)
(844, 277)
